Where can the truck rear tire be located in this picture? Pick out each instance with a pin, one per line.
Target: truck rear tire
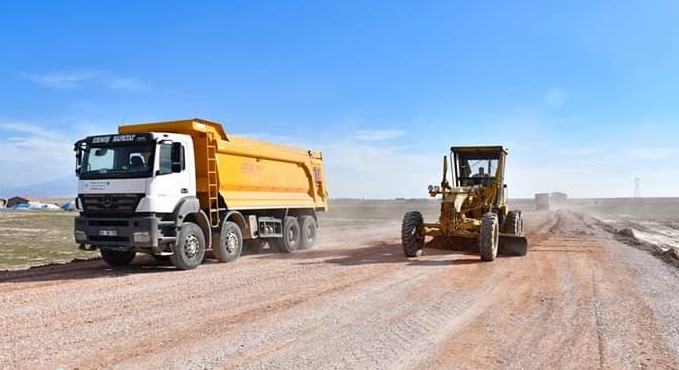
(291, 236)
(308, 236)
(489, 237)
(116, 258)
(411, 240)
(230, 243)
(189, 248)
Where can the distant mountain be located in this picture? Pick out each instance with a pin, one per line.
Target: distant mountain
(66, 187)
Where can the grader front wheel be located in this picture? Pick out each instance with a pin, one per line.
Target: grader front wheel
(489, 237)
(412, 241)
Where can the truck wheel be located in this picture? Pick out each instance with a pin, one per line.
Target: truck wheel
(514, 223)
(230, 243)
(412, 241)
(291, 236)
(489, 237)
(189, 249)
(308, 237)
(116, 258)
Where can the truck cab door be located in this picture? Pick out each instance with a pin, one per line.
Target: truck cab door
(172, 179)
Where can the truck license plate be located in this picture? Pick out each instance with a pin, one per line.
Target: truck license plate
(108, 232)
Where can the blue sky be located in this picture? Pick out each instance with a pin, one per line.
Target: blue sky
(585, 95)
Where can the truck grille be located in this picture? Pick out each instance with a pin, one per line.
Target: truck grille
(110, 203)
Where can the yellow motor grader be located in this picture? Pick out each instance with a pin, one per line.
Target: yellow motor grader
(473, 209)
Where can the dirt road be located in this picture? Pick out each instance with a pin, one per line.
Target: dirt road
(579, 300)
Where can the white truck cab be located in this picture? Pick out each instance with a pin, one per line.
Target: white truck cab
(134, 192)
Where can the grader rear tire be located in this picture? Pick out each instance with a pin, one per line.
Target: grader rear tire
(410, 239)
(514, 223)
(489, 237)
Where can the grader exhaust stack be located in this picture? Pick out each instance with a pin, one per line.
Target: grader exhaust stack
(473, 210)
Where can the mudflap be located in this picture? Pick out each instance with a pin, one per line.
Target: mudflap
(512, 245)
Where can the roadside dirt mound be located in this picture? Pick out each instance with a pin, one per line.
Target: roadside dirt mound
(635, 233)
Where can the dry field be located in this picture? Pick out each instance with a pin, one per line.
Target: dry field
(31, 238)
(581, 299)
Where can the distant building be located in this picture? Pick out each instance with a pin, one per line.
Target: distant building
(3, 202)
(11, 202)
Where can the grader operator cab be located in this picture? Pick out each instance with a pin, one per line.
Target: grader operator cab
(473, 209)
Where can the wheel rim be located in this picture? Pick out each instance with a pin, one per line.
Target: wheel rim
(291, 235)
(310, 233)
(231, 242)
(191, 244)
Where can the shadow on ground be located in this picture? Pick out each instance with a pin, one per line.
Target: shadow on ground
(379, 253)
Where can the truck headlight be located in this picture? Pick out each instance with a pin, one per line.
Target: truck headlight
(80, 236)
(141, 237)
(437, 189)
(430, 188)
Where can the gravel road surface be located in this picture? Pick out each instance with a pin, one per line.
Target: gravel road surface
(578, 300)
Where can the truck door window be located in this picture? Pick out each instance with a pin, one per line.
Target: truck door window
(165, 159)
(178, 157)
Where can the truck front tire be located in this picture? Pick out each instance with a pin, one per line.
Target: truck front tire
(116, 258)
(189, 248)
(230, 243)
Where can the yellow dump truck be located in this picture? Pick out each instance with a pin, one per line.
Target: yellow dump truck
(175, 189)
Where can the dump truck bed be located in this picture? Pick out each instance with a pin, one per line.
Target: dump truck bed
(248, 173)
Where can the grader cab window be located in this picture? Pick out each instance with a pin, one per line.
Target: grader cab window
(475, 170)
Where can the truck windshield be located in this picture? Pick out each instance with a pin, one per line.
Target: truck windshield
(120, 161)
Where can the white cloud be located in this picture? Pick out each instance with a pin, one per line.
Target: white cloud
(555, 97)
(653, 153)
(79, 78)
(377, 135)
(33, 155)
(357, 169)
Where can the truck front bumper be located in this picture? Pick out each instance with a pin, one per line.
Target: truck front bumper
(119, 232)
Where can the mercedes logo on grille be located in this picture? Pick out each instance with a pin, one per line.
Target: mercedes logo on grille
(107, 202)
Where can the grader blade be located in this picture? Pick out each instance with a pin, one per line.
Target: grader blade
(512, 245)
